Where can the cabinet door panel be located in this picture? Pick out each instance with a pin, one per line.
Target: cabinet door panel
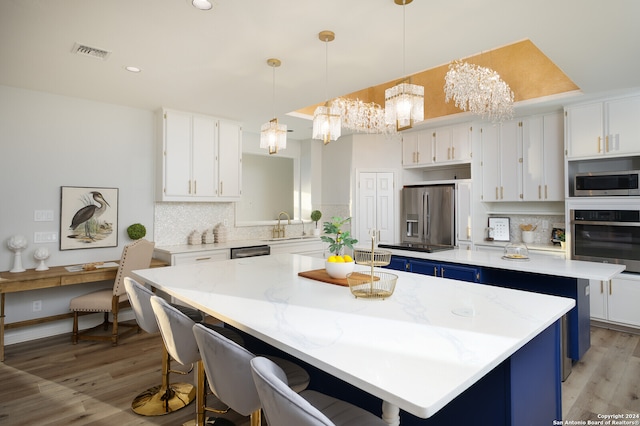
(598, 299)
(623, 301)
(460, 273)
(553, 157)
(409, 148)
(204, 156)
(442, 144)
(463, 211)
(229, 159)
(177, 154)
(623, 131)
(425, 267)
(461, 143)
(490, 158)
(532, 154)
(510, 166)
(585, 130)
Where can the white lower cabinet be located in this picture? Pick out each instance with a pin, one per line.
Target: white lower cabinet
(308, 247)
(616, 301)
(192, 256)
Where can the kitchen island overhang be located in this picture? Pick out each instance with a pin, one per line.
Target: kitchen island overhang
(421, 353)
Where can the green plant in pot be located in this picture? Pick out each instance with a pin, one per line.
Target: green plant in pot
(136, 231)
(315, 216)
(337, 265)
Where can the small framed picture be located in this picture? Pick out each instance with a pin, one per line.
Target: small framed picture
(499, 228)
(88, 217)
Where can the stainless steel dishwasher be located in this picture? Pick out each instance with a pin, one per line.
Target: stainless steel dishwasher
(240, 252)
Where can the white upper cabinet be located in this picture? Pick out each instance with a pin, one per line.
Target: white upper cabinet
(452, 144)
(416, 148)
(442, 145)
(542, 159)
(501, 165)
(200, 158)
(609, 128)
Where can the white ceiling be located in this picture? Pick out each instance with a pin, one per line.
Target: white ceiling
(214, 62)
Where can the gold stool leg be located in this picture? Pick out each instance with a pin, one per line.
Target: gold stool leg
(165, 398)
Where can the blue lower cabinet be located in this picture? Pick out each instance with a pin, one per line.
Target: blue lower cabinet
(436, 269)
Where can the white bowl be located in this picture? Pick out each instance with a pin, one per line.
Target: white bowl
(338, 270)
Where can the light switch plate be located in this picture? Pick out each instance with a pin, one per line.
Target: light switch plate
(45, 237)
(43, 216)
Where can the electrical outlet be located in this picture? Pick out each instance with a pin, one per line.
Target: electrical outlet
(36, 306)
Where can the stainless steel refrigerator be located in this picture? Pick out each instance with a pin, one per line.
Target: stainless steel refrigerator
(428, 216)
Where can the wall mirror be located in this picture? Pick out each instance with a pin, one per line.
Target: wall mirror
(269, 185)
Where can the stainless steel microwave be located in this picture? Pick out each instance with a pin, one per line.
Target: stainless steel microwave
(600, 184)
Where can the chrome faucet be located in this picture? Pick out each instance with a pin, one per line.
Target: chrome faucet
(278, 231)
(302, 222)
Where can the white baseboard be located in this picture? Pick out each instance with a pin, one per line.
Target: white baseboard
(54, 328)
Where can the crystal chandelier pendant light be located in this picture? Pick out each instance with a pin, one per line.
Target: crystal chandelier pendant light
(404, 103)
(327, 121)
(273, 136)
(479, 90)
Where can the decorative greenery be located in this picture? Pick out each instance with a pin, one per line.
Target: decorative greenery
(315, 216)
(342, 238)
(136, 231)
(561, 236)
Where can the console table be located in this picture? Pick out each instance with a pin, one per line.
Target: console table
(56, 276)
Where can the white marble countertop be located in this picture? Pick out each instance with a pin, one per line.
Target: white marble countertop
(537, 263)
(446, 333)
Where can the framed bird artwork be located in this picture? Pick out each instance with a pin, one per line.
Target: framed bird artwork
(88, 217)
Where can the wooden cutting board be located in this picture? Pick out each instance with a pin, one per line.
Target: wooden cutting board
(321, 275)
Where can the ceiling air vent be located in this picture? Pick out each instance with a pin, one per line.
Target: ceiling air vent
(94, 52)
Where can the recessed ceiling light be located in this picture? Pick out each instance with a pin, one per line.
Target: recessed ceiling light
(133, 69)
(201, 4)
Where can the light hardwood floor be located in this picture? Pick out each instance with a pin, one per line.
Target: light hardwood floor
(52, 382)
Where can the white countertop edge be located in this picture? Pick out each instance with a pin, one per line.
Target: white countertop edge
(537, 264)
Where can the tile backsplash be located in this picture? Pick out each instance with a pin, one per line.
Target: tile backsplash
(543, 224)
(173, 222)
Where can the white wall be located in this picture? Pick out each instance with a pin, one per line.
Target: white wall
(48, 141)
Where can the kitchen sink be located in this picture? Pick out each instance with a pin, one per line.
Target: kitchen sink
(299, 237)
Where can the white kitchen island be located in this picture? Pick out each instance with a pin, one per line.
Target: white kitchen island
(421, 350)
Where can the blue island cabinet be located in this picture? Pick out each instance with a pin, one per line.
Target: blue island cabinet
(436, 269)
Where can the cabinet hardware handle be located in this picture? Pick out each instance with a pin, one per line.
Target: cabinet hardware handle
(418, 157)
(539, 192)
(448, 153)
(546, 192)
(189, 186)
(203, 258)
(195, 187)
(599, 143)
(610, 287)
(497, 198)
(441, 272)
(453, 152)
(407, 267)
(435, 271)
(478, 276)
(606, 142)
(502, 192)
(601, 287)
(221, 188)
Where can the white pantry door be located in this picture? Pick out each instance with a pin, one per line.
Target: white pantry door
(375, 209)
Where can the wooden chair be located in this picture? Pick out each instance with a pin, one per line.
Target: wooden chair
(136, 255)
